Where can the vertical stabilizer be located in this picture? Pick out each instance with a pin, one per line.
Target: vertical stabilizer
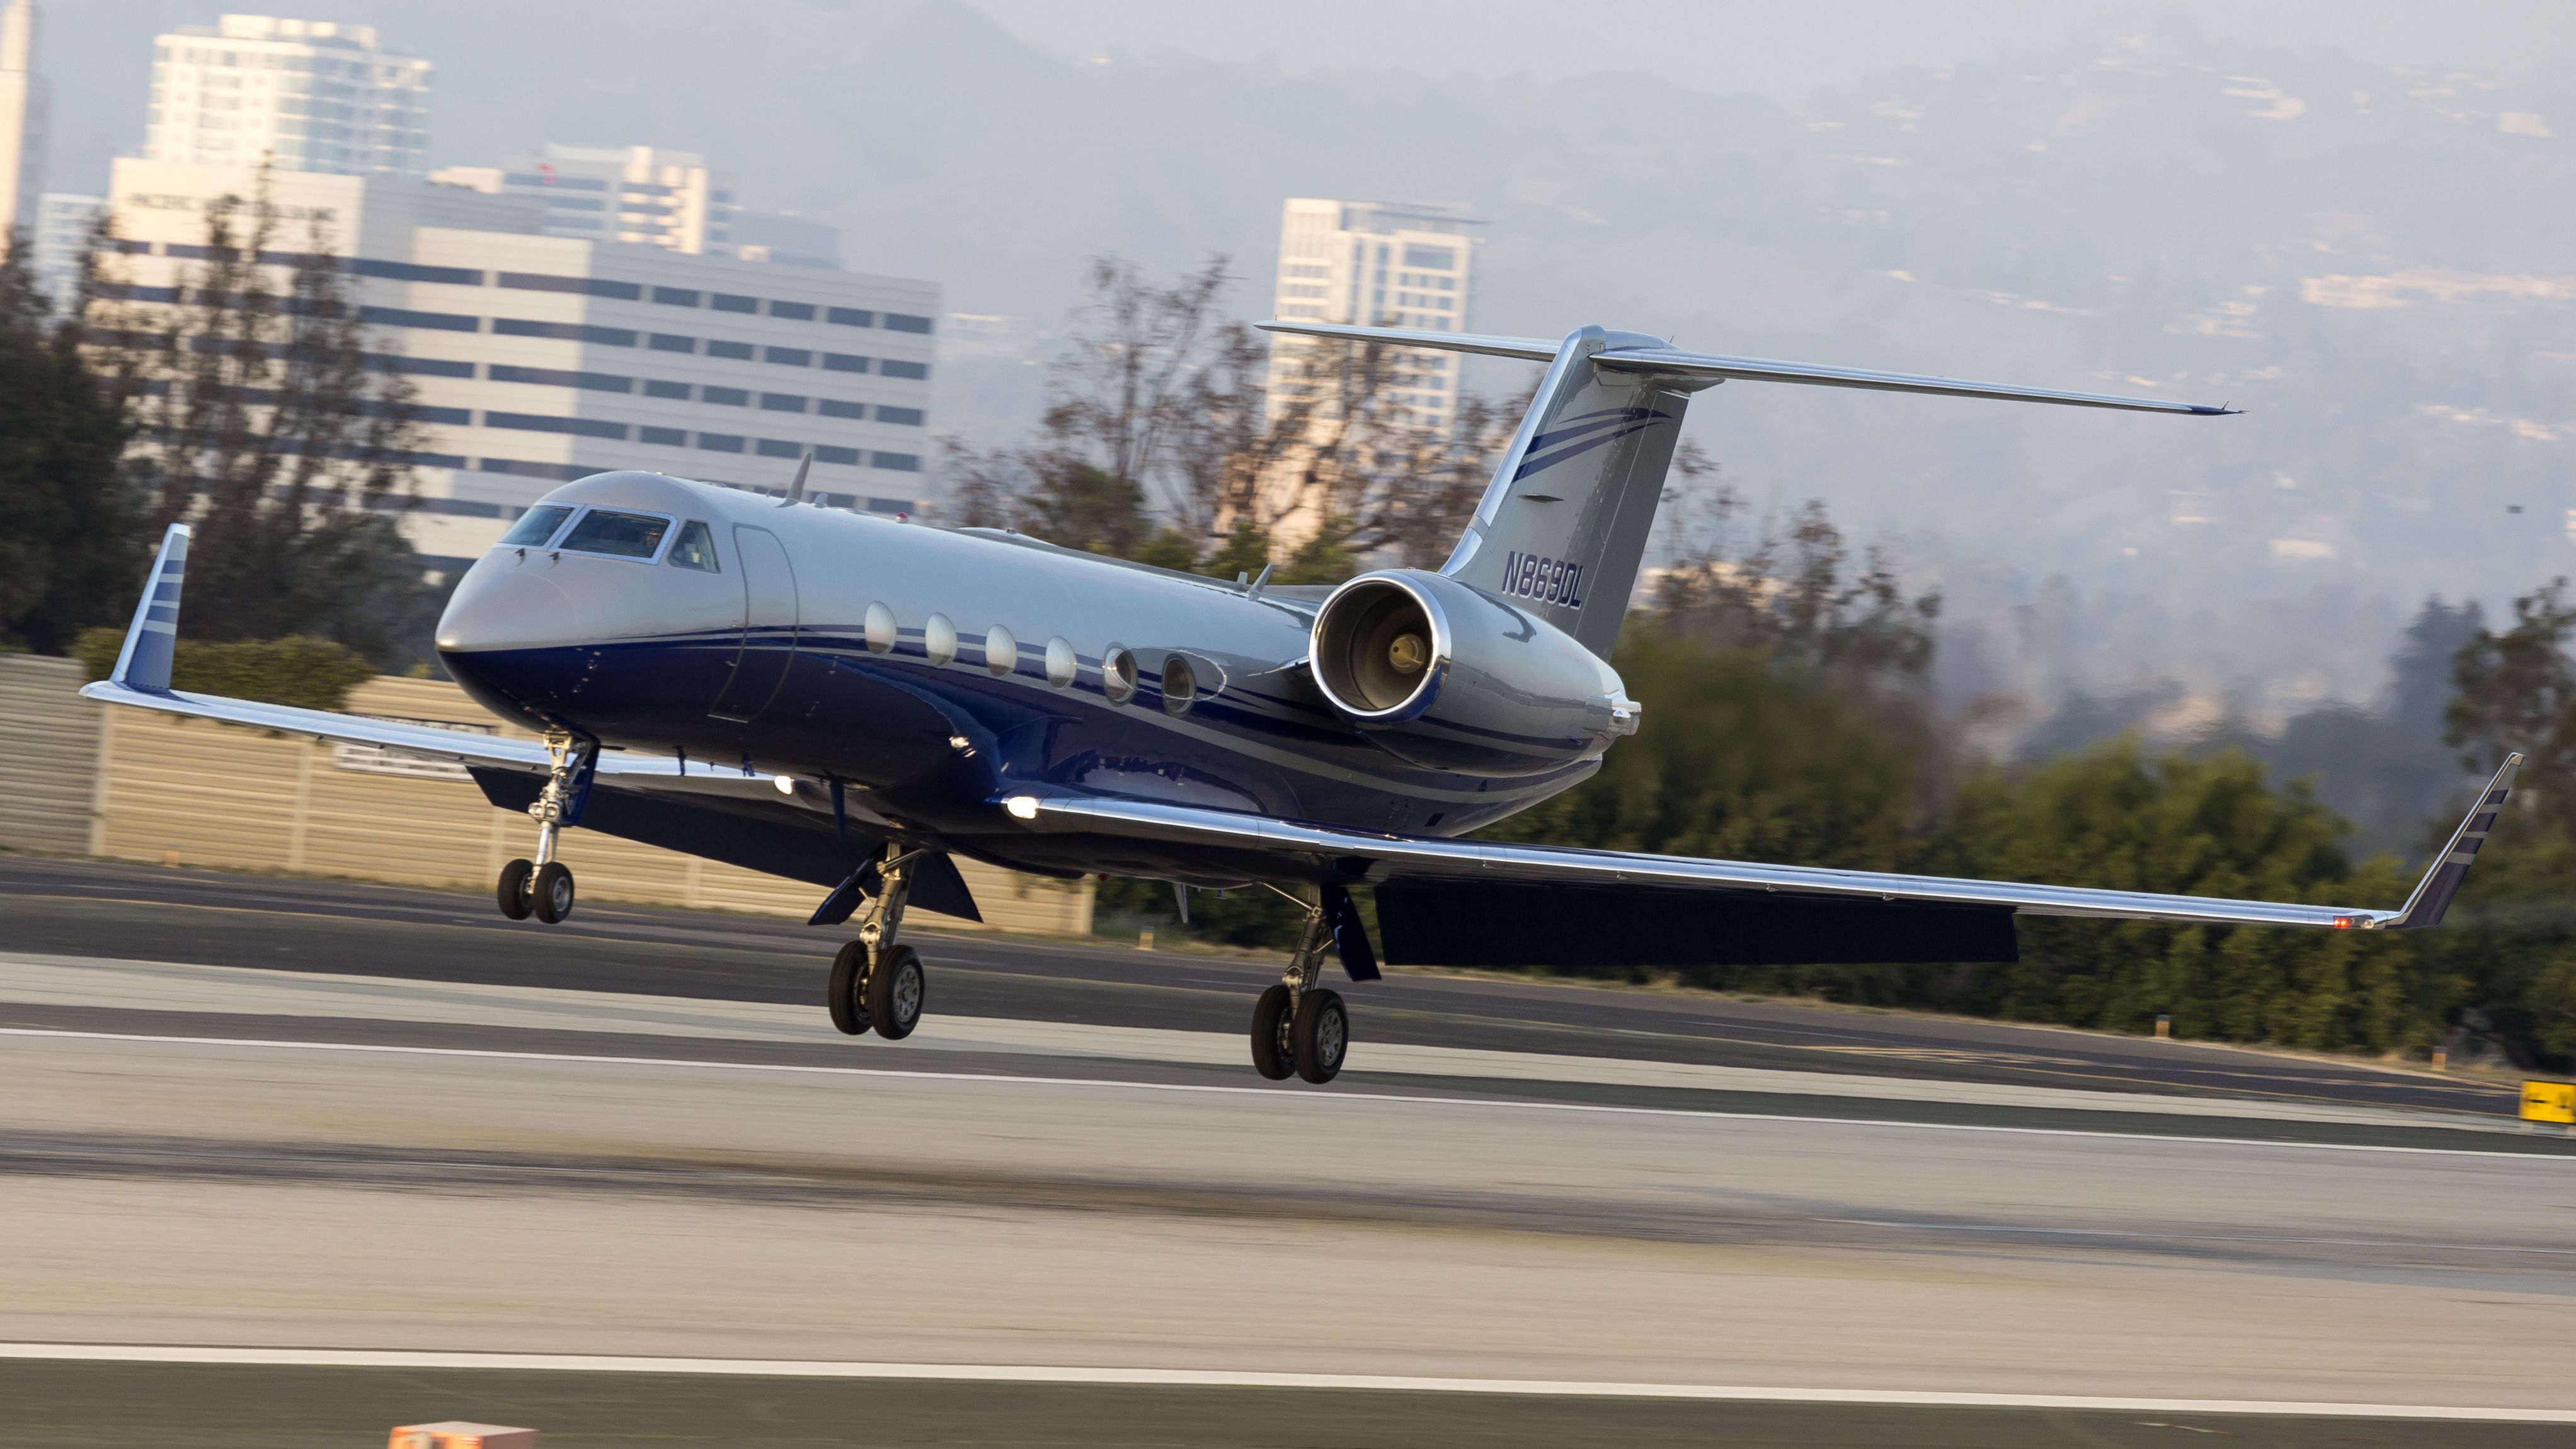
(1563, 525)
(144, 662)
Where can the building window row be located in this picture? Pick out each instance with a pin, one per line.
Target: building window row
(598, 336)
(583, 332)
(732, 397)
(568, 472)
(585, 286)
(705, 442)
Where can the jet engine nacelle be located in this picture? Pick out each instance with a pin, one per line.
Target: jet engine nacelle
(1449, 676)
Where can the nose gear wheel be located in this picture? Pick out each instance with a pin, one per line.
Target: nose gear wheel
(543, 887)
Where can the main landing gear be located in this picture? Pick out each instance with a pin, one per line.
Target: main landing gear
(877, 982)
(1299, 1027)
(543, 887)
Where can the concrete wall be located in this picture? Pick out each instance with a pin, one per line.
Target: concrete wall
(48, 754)
(193, 792)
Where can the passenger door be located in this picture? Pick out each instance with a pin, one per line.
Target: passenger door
(769, 621)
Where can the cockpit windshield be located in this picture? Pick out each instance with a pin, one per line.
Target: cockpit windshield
(536, 526)
(625, 535)
(695, 548)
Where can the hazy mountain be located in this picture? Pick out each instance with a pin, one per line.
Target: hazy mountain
(2371, 262)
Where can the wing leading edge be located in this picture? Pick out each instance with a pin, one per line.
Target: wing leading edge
(1362, 858)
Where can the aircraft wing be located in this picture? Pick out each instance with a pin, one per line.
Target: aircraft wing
(1359, 857)
(464, 747)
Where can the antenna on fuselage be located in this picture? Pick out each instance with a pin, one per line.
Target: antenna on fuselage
(796, 490)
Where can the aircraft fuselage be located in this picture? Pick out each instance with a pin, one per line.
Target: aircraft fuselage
(932, 671)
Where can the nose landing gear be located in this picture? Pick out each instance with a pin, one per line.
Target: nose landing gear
(1298, 1027)
(879, 984)
(543, 887)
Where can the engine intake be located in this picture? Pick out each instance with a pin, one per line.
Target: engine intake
(1375, 657)
(1446, 675)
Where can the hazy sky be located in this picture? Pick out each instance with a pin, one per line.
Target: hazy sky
(1778, 49)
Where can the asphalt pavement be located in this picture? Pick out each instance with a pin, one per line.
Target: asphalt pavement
(355, 1136)
(143, 912)
(71, 1405)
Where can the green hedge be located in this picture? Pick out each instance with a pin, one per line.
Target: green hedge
(298, 670)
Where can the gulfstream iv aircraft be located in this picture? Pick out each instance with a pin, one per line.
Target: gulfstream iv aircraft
(850, 700)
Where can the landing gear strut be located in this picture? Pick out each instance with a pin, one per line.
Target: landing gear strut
(1299, 1027)
(543, 887)
(878, 983)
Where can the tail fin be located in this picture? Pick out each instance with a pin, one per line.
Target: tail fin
(1564, 522)
(144, 662)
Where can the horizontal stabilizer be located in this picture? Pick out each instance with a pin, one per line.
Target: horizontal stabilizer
(1710, 367)
(1528, 349)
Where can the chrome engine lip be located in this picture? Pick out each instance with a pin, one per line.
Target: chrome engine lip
(1426, 693)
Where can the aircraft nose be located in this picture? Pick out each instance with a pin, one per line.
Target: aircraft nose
(501, 606)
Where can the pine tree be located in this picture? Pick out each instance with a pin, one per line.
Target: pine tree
(72, 538)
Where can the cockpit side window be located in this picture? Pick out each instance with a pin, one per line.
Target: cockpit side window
(536, 526)
(695, 548)
(622, 535)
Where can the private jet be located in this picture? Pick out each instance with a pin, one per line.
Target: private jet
(852, 701)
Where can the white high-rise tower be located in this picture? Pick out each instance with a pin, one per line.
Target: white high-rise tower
(23, 113)
(1380, 263)
(301, 95)
(639, 195)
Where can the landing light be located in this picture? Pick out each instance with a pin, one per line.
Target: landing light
(786, 785)
(1022, 807)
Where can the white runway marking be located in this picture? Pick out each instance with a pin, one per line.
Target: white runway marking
(1231, 1379)
(2014, 1230)
(1270, 1093)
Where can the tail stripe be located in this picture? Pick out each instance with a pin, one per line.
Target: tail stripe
(1648, 418)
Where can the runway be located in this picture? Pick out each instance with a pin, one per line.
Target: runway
(88, 908)
(413, 1153)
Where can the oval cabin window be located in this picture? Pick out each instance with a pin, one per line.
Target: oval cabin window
(1117, 674)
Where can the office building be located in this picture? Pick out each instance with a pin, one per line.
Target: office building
(634, 195)
(301, 95)
(58, 237)
(24, 110)
(786, 239)
(538, 359)
(1380, 263)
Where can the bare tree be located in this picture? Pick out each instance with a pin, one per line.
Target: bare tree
(1785, 590)
(1171, 431)
(259, 415)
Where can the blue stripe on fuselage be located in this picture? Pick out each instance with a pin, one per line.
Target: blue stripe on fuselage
(830, 718)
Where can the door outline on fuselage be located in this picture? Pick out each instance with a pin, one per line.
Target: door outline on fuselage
(768, 581)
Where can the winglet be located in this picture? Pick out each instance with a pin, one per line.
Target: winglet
(144, 662)
(2442, 881)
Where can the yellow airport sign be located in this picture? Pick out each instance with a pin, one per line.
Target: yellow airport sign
(2549, 1102)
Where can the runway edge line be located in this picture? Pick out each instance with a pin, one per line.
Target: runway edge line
(1223, 1378)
